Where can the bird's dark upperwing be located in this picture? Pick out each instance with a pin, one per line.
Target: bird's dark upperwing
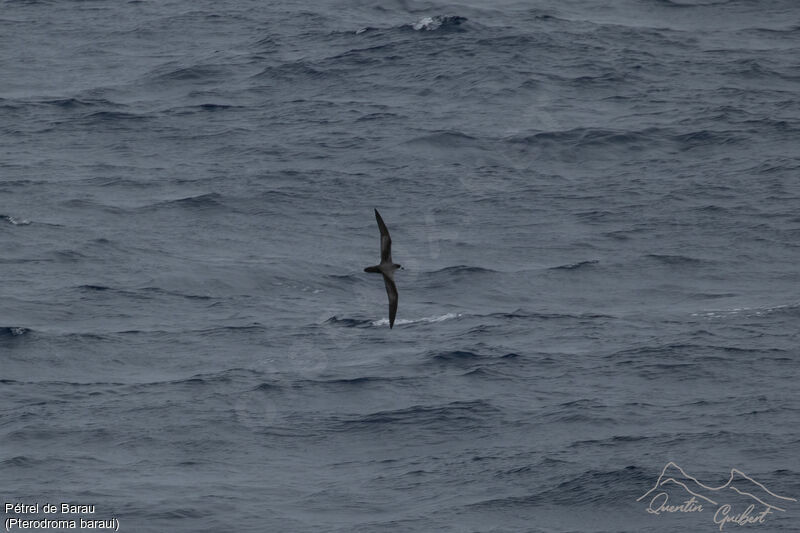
(391, 290)
(386, 241)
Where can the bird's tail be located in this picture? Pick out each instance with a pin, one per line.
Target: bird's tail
(374, 269)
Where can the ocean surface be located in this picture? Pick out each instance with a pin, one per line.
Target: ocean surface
(596, 205)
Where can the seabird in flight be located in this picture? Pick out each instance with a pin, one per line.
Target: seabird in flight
(387, 268)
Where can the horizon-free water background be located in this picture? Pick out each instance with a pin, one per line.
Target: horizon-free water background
(596, 205)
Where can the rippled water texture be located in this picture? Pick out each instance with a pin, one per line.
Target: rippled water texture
(595, 205)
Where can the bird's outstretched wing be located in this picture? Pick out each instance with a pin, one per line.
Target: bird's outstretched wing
(386, 241)
(391, 291)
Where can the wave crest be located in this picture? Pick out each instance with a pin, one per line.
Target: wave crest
(437, 22)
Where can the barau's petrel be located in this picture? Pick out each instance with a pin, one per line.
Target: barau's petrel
(387, 268)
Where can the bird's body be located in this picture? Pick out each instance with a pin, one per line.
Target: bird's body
(386, 268)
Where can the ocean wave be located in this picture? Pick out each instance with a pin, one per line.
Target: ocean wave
(5, 103)
(143, 292)
(462, 269)
(654, 352)
(22, 461)
(292, 71)
(360, 381)
(201, 202)
(587, 137)
(704, 138)
(378, 116)
(438, 22)
(78, 103)
(596, 486)
(14, 221)
(200, 108)
(676, 260)
(442, 23)
(485, 373)
(513, 314)
(457, 355)
(688, 361)
(98, 288)
(425, 319)
(11, 332)
(590, 487)
(369, 55)
(520, 314)
(713, 296)
(790, 310)
(575, 266)
(177, 73)
(750, 68)
(690, 3)
(344, 278)
(611, 442)
(166, 292)
(606, 79)
(59, 336)
(91, 205)
(779, 31)
(451, 417)
(445, 139)
(264, 386)
(112, 117)
(225, 330)
(580, 417)
(236, 375)
(349, 322)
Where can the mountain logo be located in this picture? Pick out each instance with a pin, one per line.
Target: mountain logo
(741, 500)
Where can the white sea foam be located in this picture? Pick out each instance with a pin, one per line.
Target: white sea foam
(429, 319)
(427, 23)
(17, 221)
(436, 22)
(744, 311)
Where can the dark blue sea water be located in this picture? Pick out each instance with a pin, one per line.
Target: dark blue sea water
(597, 206)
